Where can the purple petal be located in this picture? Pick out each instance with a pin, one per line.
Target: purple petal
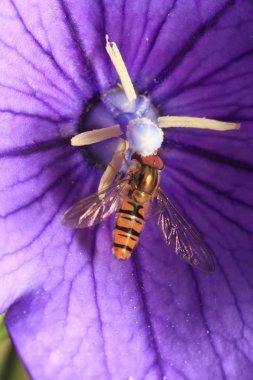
(77, 312)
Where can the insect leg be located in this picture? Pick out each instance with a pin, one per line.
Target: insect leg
(155, 212)
(124, 154)
(113, 167)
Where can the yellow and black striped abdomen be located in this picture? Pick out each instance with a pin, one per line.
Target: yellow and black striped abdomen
(129, 224)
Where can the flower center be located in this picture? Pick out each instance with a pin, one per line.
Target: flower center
(113, 108)
(121, 112)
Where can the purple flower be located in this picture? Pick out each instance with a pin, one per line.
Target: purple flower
(75, 311)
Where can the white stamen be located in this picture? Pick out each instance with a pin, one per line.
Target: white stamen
(96, 135)
(114, 166)
(121, 69)
(195, 122)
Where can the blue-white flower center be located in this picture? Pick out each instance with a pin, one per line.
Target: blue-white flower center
(137, 121)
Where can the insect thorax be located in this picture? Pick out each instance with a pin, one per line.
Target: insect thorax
(144, 183)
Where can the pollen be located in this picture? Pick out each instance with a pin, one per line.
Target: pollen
(195, 122)
(95, 136)
(120, 67)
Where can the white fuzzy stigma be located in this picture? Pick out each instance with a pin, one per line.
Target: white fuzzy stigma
(144, 136)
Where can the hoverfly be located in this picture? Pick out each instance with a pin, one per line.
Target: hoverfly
(131, 197)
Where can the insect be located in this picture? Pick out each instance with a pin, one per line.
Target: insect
(132, 197)
(139, 190)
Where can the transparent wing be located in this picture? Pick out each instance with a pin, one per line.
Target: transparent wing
(93, 209)
(182, 237)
